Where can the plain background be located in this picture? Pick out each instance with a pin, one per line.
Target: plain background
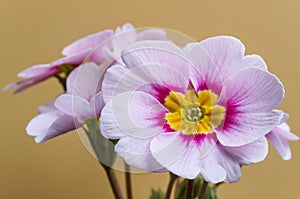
(35, 31)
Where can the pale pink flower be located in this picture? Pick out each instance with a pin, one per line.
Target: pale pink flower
(82, 101)
(280, 136)
(102, 47)
(204, 109)
(50, 123)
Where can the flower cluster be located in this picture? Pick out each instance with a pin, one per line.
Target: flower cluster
(203, 109)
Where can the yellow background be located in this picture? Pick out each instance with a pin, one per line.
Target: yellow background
(35, 31)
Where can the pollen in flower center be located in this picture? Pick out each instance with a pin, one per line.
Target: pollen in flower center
(193, 113)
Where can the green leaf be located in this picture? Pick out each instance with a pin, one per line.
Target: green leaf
(157, 194)
(102, 147)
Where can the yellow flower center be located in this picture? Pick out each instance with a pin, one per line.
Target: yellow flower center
(193, 113)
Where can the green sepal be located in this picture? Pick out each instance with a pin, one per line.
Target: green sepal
(210, 192)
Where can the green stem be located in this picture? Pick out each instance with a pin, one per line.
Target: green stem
(190, 189)
(203, 189)
(170, 185)
(128, 181)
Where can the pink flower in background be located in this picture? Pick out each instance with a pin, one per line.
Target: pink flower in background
(50, 123)
(203, 109)
(280, 136)
(82, 101)
(75, 54)
(100, 48)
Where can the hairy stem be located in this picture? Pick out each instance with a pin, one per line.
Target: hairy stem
(203, 189)
(128, 181)
(190, 189)
(170, 185)
(112, 181)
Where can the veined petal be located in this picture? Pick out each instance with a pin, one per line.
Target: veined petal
(249, 97)
(185, 155)
(75, 106)
(139, 77)
(279, 137)
(87, 43)
(250, 153)
(135, 114)
(84, 81)
(204, 74)
(152, 34)
(228, 54)
(61, 125)
(123, 37)
(163, 53)
(97, 103)
(41, 123)
(136, 152)
(35, 70)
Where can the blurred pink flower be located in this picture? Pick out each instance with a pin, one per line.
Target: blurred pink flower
(204, 109)
(100, 48)
(280, 136)
(82, 101)
(50, 123)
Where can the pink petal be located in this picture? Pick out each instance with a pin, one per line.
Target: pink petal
(41, 123)
(204, 74)
(36, 70)
(228, 54)
(84, 81)
(97, 103)
(231, 167)
(49, 106)
(61, 125)
(111, 80)
(250, 153)
(28, 82)
(136, 114)
(123, 37)
(75, 106)
(162, 53)
(87, 43)
(279, 137)
(152, 34)
(118, 79)
(249, 97)
(136, 152)
(184, 157)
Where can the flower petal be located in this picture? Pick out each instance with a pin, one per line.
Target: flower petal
(279, 137)
(152, 34)
(61, 125)
(204, 74)
(87, 43)
(41, 123)
(184, 156)
(250, 153)
(163, 53)
(75, 106)
(84, 81)
(249, 97)
(136, 114)
(136, 152)
(228, 54)
(117, 79)
(123, 37)
(35, 70)
(97, 103)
